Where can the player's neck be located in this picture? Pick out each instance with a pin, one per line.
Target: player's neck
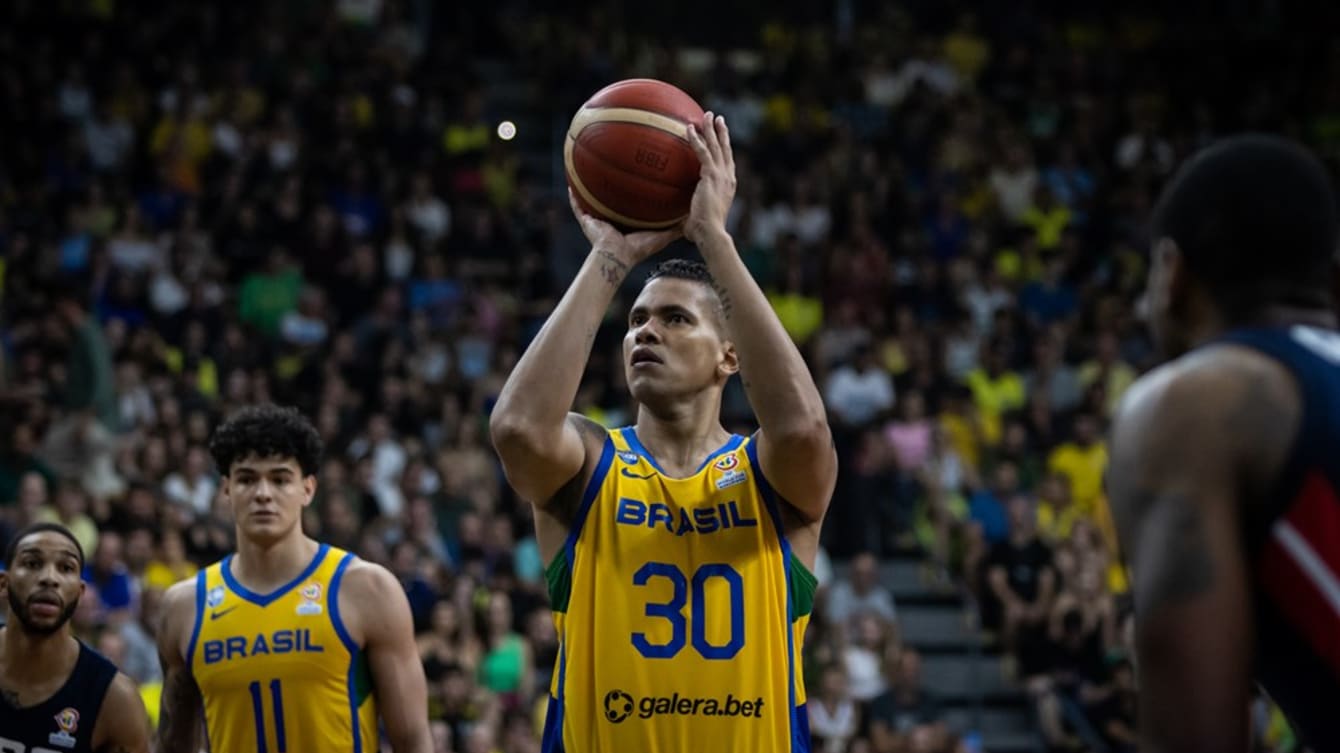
(681, 438)
(30, 659)
(264, 566)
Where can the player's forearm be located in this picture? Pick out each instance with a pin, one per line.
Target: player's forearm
(538, 394)
(179, 714)
(775, 377)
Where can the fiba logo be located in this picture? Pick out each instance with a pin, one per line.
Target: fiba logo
(618, 706)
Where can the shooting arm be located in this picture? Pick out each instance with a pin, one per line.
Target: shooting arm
(541, 446)
(795, 445)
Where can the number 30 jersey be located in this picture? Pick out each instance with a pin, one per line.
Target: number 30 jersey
(680, 611)
(279, 673)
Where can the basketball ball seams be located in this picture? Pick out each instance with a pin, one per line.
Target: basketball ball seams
(591, 115)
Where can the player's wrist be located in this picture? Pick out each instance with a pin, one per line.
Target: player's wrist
(714, 240)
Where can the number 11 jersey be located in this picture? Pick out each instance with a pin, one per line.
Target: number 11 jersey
(680, 611)
(279, 673)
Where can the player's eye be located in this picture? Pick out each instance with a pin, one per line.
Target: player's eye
(637, 319)
(678, 319)
(67, 568)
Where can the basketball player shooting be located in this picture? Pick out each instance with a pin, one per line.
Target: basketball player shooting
(680, 555)
(1225, 468)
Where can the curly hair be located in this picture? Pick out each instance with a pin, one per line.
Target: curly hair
(266, 431)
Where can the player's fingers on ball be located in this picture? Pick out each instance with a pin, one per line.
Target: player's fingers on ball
(572, 202)
(710, 135)
(698, 145)
(726, 151)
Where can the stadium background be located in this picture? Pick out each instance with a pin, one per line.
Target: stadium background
(205, 205)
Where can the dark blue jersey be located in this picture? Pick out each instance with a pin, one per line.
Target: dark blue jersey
(64, 722)
(1293, 538)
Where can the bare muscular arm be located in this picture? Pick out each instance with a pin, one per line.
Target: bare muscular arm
(1193, 444)
(179, 716)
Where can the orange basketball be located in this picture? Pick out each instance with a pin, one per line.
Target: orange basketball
(627, 158)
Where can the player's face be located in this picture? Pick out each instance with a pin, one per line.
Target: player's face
(44, 586)
(674, 346)
(267, 496)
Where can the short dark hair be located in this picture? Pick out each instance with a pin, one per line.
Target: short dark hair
(267, 431)
(1255, 218)
(12, 550)
(691, 270)
(683, 269)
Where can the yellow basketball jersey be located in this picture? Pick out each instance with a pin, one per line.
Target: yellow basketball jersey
(278, 672)
(680, 612)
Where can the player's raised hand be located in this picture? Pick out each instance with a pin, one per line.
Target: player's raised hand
(716, 182)
(631, 248)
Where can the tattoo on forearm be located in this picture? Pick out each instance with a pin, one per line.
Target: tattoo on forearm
(612, 268)
(723, 295)
(1176, 564)
(178, 723)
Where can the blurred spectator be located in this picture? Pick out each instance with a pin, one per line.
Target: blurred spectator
(834, 716)
(1082, 460)
(859, 391)
(860, 594)
(904, 706)
(871, 643)
(111, 588)
(1018, 589)
(71, 510)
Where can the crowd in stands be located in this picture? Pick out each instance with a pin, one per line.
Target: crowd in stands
(204, 206)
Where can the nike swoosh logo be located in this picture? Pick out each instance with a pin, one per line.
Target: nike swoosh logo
(221, 612)
(630, 474)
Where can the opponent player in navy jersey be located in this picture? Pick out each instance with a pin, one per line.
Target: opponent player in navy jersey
(1225, 469)
(56, 694)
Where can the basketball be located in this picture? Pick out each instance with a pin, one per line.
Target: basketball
(627, 158)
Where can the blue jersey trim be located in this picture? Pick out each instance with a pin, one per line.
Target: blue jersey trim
(333, 601)
(199, 617)
(551, 741)
(800, 734)
(731, 445)
(630, 436)
(588, 498)
(265, 600)
(333, 596)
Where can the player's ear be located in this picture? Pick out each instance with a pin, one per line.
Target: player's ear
(730, 360)
(309, 486)
(4, 584)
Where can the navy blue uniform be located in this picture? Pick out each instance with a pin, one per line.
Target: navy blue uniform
(1294, 542)
(64, 722)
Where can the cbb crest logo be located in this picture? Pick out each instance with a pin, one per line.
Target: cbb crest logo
(312, 592)
(727, 463)
(618, 706)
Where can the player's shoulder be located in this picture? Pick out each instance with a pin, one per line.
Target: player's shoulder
(122, 723)
(1224, 395)
(180, 596)
(368, 582)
